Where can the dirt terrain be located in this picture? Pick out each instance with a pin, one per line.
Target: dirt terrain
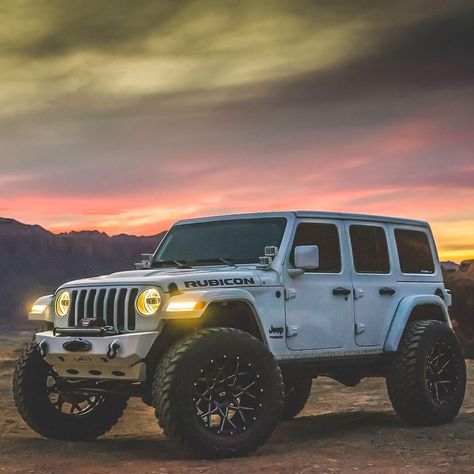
(341, 430)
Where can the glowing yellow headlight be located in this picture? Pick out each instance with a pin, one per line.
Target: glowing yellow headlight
(148, 302)
(63, 300)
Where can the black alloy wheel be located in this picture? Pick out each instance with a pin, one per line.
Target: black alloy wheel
(48, 405)
(228, 396)
(441, 373)
(297, 392)
(70, 403)
(218, 393)
(426, 380)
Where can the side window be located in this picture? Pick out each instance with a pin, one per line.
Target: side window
(369, 249)
(414, 251)
(326, 237)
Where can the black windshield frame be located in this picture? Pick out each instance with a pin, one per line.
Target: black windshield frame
(238, 241)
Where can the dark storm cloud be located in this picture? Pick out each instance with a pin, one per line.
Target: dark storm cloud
(434, 54)
(109, 25)
(117, 25)
(93, 46)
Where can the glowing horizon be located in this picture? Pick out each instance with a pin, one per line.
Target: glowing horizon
(449, 241)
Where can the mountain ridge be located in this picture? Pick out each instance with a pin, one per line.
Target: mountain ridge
(35, 261)
(11, 220)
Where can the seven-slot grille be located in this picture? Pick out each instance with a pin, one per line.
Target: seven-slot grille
(112, 306)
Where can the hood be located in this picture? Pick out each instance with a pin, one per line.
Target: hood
(185, 279)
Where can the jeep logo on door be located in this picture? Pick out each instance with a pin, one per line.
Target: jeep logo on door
(276, 332)
(221, 282)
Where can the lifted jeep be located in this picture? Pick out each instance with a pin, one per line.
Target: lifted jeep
(224, 328)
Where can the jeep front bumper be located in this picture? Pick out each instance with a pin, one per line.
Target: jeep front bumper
(118, 357)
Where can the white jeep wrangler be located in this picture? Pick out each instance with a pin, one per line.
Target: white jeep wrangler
(226, 325)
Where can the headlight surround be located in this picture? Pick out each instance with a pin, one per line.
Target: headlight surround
(148, 302)
(63, 301)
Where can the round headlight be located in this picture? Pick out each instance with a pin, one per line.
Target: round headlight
(148, 302)
(63, 300)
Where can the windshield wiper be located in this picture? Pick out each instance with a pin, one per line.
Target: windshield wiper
(226, 261)
(177, 263)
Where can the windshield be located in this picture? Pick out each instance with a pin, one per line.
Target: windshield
(221, 242)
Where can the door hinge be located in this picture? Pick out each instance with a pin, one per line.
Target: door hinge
(291, 331)
(359, 328)
(290, 293)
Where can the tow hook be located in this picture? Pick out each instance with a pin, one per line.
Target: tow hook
(43, 348)
(77, 345)
(113, 349)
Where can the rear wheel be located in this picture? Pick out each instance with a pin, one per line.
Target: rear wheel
(297, 392)
(427, 380)
(54, 412)
(219, 393)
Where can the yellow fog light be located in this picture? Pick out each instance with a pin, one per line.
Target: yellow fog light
(148, 302)
(63, 301)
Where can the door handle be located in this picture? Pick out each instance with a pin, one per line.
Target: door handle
(339, 291)
(387, 291)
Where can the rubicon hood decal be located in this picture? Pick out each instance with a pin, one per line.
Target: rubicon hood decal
(238, 281)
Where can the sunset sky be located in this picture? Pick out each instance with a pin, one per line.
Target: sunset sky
(126, 116)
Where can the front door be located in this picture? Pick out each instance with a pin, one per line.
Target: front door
(319, 303)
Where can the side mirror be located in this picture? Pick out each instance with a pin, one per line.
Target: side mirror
(307, 257)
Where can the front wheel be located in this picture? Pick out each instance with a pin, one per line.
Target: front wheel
(427, 380)
(219, 393)
(54, 412)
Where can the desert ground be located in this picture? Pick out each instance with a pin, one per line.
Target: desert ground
(341, 430)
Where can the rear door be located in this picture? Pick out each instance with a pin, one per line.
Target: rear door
(374, 279)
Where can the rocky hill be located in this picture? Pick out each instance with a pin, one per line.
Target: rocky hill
(461, 284)
(34, 262)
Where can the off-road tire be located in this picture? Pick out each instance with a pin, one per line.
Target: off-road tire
(174, 390)
(297, 392)
(408, 378)
(34, 406)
